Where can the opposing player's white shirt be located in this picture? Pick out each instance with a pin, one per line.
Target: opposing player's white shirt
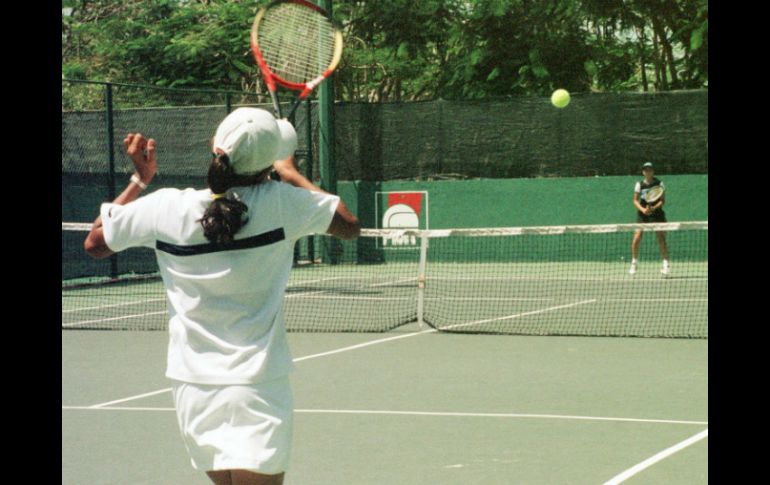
(226, 307)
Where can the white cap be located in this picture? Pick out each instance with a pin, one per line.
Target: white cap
(288, 140)
(252, 139)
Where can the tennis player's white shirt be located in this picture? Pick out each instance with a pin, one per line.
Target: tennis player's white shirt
(226, 321)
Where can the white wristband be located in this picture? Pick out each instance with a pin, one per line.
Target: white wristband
(135, 179)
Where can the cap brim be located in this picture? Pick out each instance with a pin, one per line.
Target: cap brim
(288, 143)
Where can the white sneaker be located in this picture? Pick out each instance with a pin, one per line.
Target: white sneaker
(665, 270)
(632, 270)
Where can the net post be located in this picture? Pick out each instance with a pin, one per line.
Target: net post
(421, 279)
(111, 162)
(228, 103)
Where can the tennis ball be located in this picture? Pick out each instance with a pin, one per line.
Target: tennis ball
(560, 98)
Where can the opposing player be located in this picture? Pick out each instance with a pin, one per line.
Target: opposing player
(649, 212)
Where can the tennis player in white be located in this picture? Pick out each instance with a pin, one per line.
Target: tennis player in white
(224, 255)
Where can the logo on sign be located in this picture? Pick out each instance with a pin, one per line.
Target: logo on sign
(403, 210)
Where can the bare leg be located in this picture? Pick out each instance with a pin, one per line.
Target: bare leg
(635, 244)
(662, 243)
(243, 477)
(220, 477)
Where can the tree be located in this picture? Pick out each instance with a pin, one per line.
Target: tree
(404, 50)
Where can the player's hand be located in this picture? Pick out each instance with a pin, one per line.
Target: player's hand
(647, 210)
(286, 169)
(142, 154)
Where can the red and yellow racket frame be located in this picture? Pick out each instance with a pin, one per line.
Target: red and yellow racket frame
(272, 79)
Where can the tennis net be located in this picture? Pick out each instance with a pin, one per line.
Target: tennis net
(555, 280)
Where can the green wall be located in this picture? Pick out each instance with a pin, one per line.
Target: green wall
(469, 203)
(534, 202)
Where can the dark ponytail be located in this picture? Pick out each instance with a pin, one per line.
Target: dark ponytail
(224, 217)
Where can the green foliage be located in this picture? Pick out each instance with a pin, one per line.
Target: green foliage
(402, 49)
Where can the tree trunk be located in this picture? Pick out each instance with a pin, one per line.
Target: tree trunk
(671, 64)
(642, 63)
(397, 89)
(661, 83)
(668, 53)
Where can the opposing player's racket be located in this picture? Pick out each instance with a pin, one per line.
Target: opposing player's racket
(297, 45)
(653, 195)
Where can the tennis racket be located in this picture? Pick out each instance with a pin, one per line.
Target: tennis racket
(297, 45)
(654, 194)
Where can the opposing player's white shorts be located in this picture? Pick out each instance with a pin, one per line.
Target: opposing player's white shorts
(246, 427)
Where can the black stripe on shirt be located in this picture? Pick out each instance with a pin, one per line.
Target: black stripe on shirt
(257, 241)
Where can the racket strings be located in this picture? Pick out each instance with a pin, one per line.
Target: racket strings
(296, 42)
(653, 194)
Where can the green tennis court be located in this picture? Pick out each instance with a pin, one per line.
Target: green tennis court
(412, 407)
(532, 391)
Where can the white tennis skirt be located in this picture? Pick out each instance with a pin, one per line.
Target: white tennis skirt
(247, 427)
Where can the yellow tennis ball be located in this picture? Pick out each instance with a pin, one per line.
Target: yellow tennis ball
(560, 98)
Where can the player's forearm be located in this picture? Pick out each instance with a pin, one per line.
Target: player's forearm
(129, 194)
(298, 180)
(94, 243)
(289, 174)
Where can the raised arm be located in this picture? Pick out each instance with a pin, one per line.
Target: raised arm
(344, 224)
(142, 153)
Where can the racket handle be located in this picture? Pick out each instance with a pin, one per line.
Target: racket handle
(276, 104)
(294, 107)
(302, 95)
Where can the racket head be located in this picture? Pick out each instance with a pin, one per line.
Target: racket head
(654, 194)
(296, 44)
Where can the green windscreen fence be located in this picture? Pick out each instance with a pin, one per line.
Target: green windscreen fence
(597, 134)
(182, 123)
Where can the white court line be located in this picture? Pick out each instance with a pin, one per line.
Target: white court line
(435, 298)
(102, 320)
(388, 283)
(371, 298)
(498, 415)
(519, 315)
(620, 478)
(628, 279)
(661, 300)
(379, 341)
(316, 292)
(136, 302)
(365, 344)
(307, 282)
(117, 401)
(429, 413)
(298, 359)
(303, 294)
